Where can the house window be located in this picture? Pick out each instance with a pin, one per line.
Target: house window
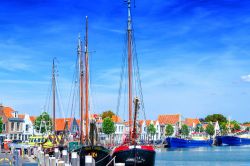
(4, 127)
(15, 135)
(74, 128)
(26, 127)
(17, 126)
(12, 126)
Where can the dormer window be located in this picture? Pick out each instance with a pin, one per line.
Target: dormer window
(15, 114)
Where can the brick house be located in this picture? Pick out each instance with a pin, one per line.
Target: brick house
(12, 123)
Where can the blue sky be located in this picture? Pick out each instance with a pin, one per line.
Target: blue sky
(194, 54)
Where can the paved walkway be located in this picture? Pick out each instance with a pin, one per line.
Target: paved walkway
(7, 159)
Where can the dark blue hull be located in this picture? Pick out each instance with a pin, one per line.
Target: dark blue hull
(232, 140)
(184, 143)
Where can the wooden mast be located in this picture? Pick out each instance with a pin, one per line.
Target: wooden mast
(134, 136)
(130, 83)
(54, 95)
(86, 83)
(79, 52)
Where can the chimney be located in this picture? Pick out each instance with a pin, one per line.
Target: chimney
(1, 106)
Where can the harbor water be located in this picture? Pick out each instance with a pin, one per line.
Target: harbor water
(205, 156)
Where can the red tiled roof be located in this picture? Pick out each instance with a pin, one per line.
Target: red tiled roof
(246, 125)
(60, 123)
(169, 119)
(141, 122)
(204, 126)
(21, 116)
(99, 121)
(116, 119)
(148, 122)
(32, 118)
(8, 112)
(191, 121)
(155, 121)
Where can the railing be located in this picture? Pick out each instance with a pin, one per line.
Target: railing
(113, 159)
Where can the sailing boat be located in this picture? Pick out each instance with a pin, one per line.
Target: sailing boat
(100, 154)
(132, 153)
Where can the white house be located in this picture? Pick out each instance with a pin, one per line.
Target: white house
(143, 130)
(28, 127)
(169, 119)
(119, 132)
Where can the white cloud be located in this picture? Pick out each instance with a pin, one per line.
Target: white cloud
(245, 78)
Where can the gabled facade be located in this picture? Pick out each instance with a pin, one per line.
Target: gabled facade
(169, 119)
(67, 124)
(12, 124)
(191, 123)
(28, 127)
(144, 135)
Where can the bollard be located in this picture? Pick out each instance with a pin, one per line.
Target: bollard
(89, 161)
(61, 163)
(12, 149)
(41, 156)
(22, 149)
(74, 159)
(52, 161)
(15, 158)
(46, 159)
(65, 156)
(35, 152)
(29, 151)
(56, 153)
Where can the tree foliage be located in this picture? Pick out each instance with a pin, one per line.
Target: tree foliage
(199, 128)
(216, 117)
(248, 129)
(184, 130)
(43, 122)
(169, 130)
(107, 114)
(235, 125)
(151, 129)
(224, 128)
(1, 125)
(210, 129)
(108, 126)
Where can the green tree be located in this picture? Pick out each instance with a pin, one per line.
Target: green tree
(169, 130)
(224, 128)
(235, 125)
(1, 125)
(107, 114)
(199, 128)
(210, 129)
(43, 123)
(248, 129)
(151, 130)
(216, 117)
(184, 130)
(108, 127)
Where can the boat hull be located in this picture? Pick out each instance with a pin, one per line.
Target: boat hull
(183, 143)
(232, 140)
(135, 155)
(100, 154)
